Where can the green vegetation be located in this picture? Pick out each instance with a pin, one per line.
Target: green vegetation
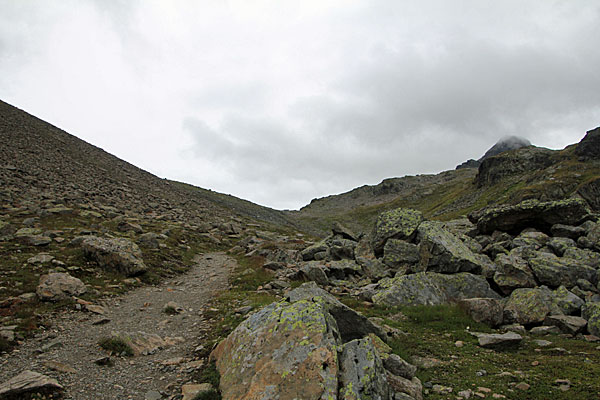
(432, 333)
(209, 395)
(116, 346)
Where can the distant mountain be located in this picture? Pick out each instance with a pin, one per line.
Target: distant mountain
(511, 171)
(505, 144)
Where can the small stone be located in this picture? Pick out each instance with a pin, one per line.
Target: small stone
(103, 361)
(484, 389)
(60, 367)
(481, 372)
(459, 343)
(523, 386)
(542, 343)
(465, 394)
(152, 395)
(535, 363)
(498, 396)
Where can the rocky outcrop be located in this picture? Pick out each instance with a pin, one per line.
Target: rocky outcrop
(531, 214)
(494, 169)
(115, 254)
(59, 286)
(589, 147)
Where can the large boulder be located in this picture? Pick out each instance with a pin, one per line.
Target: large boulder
(487, 311)
(430, 288)
(401, 223)
(513, 272)
(362, 375)
(527, 306)
(289, 349)
(568, 302)
(585, 256)
(310, 252)
(531, 213)
(556, 271)
(59, 286)
(117, 254)
(441, 251)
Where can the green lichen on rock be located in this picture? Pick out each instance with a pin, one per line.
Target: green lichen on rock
(530, 306)
(554, 271)
(431, 288)
(442, 251)
(591, 312)
(401, 223)
(362, 375)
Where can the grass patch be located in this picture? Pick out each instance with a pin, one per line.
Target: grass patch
(116, 346)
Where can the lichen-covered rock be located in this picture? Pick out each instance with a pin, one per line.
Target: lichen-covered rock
(554, 271)
(285, 351)
(531, 213)
(430, 288)
(341, 249)
(309, 253)
(399, 367)
(289, 349)
(531, 239)
(567, 231)
(584, 256)
(401, 223)
(342, 269)
(591, 312)
(27, 383)
(344, 232)
(560, 245)
(527, 306)
(59, 286)
(411, 387)
(484, 310)
(567, 301)
(513, 272)
(399, 253)
(375, 269)
(362, 375)
(118, 254)
(441, 251)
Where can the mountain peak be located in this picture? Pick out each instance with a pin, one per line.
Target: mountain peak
(505, 144)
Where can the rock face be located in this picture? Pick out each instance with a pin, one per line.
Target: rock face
(430, 288)
(589, 147)
(28, 382)
(289, 350)
(119, 254)
(59, 286)
(531, 213)
(494, 169)
(401, 223)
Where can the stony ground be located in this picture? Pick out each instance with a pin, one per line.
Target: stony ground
(72, 342)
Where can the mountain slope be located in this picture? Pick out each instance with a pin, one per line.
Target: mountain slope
(508, 177)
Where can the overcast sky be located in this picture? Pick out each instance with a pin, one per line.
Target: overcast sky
(279, 102)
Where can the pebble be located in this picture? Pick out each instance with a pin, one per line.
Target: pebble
(523, 386)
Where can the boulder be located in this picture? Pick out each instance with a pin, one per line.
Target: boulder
(441, 251)
(26, 383)
(314, 271)
(399, 367)
(554, 271)
(59, 286)
(375, 270)
(344, 232)
(150, 240)
(567, 231)
(513, 272)
(430, 288)
(362, 375)
(532, 239)
(341, 249)
(530, 306)
(309, 253)
(399, 253)
(531, 213)
(288, 349)
(569, 303)
(585, 256)
(405, 387)
(497, 340)
(560, 245)
(484, 310)
(401, 223)
(591, 312)
(566, 323)
(342, 269)
(117, 254)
